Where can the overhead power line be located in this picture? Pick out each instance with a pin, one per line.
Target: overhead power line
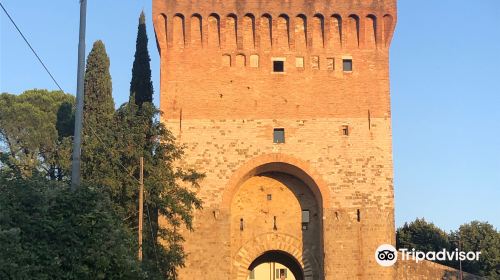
(29, 45)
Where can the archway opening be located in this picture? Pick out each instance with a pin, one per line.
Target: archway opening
(273, 264)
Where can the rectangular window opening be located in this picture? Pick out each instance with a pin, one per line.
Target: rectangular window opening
(345, 130)
(278, 66)
(347, 65)
(305, 219)
(279, 135)
(281, 272)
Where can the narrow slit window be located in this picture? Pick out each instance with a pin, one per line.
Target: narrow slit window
(305, 219)
(279, 135)
(347, 65)
(345, 130)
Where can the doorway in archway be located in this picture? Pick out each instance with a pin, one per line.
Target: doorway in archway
(275, 265)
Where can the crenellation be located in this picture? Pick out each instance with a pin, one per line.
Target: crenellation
(265, 32)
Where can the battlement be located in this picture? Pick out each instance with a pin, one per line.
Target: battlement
(293, 25)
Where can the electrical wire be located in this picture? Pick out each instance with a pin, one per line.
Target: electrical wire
(29, 45)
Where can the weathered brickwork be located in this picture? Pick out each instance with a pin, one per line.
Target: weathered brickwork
(222, 97)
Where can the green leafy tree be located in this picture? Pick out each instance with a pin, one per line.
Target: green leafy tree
(170, 190)
(30, 138)
(49, 232)
(479, 237)
(141, 86)
(475, 236)
(422, 236)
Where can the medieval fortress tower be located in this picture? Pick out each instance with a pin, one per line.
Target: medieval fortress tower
(285, 106)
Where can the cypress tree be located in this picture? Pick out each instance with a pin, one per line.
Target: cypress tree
(98, 112)
(141, 86)
(99, 105)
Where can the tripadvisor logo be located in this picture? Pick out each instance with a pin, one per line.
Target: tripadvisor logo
(387, 255)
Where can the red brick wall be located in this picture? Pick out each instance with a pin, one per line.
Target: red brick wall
(224, 111)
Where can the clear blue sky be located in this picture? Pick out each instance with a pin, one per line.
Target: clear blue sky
(445, 62)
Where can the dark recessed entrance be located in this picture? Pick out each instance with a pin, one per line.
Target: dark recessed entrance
(287, 263)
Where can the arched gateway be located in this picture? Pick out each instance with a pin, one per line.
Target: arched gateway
(273, 209)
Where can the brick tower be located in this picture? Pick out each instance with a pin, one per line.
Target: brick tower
(285, 106)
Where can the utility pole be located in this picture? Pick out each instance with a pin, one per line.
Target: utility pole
(459, 250)
(77, 140)
(141, 205)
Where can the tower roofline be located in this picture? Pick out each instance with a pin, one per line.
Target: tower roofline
(274, 7)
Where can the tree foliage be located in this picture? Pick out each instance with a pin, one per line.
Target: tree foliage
(30, 137)
(169, 190)
(91, 234)
(98, 112)
(48, 232)
(111, 160)
(474, 236)
(98, 102)
(422, 235)
(479, 237)
(141, 86)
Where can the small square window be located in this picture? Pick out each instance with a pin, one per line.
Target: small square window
(299, 62)
(279, 135)
(330, 64)
(278, 66)
(347, 65)
(269, 197)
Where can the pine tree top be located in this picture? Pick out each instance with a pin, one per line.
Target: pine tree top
(142, 18)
